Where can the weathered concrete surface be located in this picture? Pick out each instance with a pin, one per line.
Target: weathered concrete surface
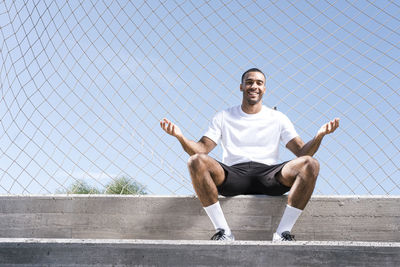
(53, 252)
(352, 218)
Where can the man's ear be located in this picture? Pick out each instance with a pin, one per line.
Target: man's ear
(241, 88)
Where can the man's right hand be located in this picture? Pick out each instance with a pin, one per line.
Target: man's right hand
(170, 128)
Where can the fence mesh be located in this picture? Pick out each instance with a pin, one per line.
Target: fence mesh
(84, 85)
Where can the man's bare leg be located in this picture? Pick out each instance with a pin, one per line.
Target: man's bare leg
(207, 174)
(301, 175)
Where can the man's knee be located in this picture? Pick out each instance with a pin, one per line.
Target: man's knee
(311, 166)
(197, 162)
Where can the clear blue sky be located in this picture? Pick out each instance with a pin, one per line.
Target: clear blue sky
(83, 86)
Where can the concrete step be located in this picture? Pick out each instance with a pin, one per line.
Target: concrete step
(326, 218)
(129, 252)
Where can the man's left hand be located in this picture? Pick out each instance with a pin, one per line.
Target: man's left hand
(329, 127)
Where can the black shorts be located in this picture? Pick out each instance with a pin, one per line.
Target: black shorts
(252, 178)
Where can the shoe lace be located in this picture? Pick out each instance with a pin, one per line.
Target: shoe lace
(286, 236)
(220, 235)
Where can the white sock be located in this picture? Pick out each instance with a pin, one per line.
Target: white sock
(288, 220)
(217, 217)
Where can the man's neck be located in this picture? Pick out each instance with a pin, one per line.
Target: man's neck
(252, 109)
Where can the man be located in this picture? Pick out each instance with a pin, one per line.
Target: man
(250, 136)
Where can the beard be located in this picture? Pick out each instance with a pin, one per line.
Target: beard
(252, 101)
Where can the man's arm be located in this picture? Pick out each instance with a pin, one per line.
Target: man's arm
(297, 146)
(203, 146)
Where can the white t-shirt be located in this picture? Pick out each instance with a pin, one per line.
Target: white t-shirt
(250, 137)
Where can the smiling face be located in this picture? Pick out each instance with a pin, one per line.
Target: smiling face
(253, 88)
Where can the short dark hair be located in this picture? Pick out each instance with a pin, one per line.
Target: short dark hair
(252, 70)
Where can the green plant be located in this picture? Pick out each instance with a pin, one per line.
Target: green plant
(80, 187)
(125, 186)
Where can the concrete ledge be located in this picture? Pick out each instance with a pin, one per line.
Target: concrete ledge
(326, 218)
(71, 252)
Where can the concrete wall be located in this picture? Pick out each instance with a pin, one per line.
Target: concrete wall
(354, 218)
(72, 252)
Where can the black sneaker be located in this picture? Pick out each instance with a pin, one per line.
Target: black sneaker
(285, 236)
(221, 235)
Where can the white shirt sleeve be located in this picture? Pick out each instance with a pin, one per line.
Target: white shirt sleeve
(288, 132)
(214, 131)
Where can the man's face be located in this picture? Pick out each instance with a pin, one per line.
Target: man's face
(253, 87)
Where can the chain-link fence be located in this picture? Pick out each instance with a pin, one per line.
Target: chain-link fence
(84, 85)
